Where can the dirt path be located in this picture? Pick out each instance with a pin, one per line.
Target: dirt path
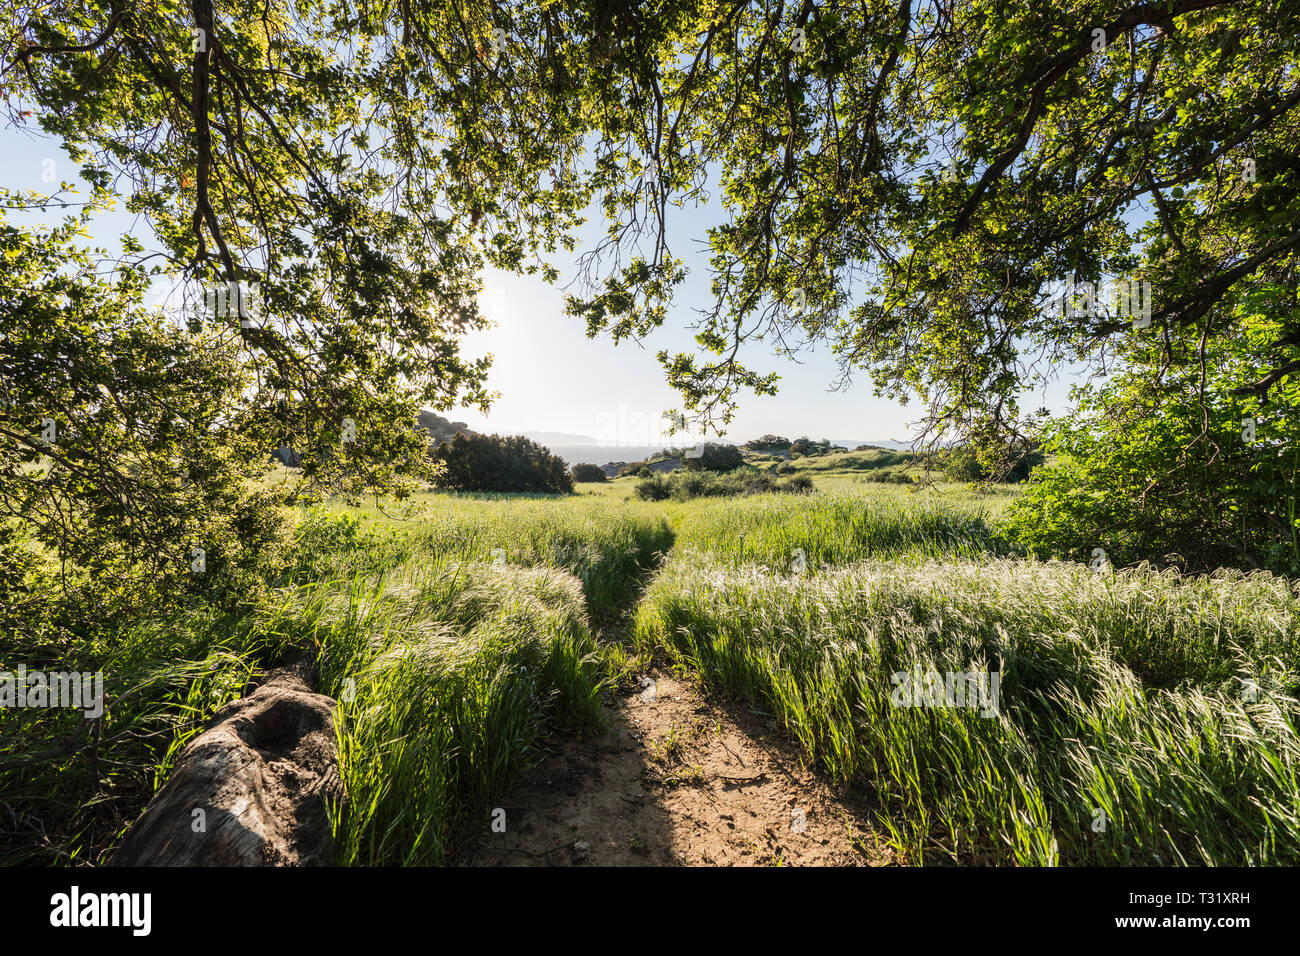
(676, 780)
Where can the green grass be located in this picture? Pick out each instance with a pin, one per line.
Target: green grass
(448, 673)
(834, 529)
(505, 583)
(163, 680)
(457, 628)
(1119, 694)
(609, 551)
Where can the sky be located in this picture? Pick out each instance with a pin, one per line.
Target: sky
(552, 378)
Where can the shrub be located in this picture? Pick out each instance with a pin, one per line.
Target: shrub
(501, 464)
(684, 486)
(589, 473)
(888, 477)
(715, 457)
(768, 441)
(1162, 472)
(653, 487)
(968, 463)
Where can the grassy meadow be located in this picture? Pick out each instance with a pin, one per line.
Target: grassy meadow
(1140, 717)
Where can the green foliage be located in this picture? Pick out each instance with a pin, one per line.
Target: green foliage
(497, 464)
(836, 529)
(1162, 468)
(589, 473)
(974, 166)
(890, 478)
(806, 447)
(684, 486)
(518, 579)
(71, 785)
(1122, 694)
(995, 463)
(714, 457)
(271, 158)
(768, 441)
(456, 668)
(1121, 689)
(609, 551)
(127, 449)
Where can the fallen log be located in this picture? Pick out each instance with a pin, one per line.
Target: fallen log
(251, 790)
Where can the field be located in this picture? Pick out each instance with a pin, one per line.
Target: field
(995, 709)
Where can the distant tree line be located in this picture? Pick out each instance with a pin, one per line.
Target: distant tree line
(500, 464)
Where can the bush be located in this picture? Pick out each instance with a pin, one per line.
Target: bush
(636, 467)
(589, 473)
(715, 457)
(768, 441)
(644, 472)
(500, 464)
(808, 447)
(888, 477)
(786, 469)
(653, 487)
(968, 463)
(684, 486)
(1161, 471)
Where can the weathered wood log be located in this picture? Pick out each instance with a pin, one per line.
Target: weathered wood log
(251, 790)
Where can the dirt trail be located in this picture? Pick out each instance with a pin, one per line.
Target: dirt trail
(676, 780)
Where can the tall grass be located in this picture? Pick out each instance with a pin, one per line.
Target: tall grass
(1144, 718)
(454, 632)
(836, 529)
(610, 549)
(447, 674)
(517, 662)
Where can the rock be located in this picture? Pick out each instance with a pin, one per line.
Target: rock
(261, 774)
(665, 465)
(580, 851)
(662, 466)
(440, 429)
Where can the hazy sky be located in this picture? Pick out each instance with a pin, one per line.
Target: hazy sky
(553, 378)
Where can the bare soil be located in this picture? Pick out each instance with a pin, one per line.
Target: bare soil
(676, 780)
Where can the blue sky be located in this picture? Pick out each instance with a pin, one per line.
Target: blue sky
(553, 378)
